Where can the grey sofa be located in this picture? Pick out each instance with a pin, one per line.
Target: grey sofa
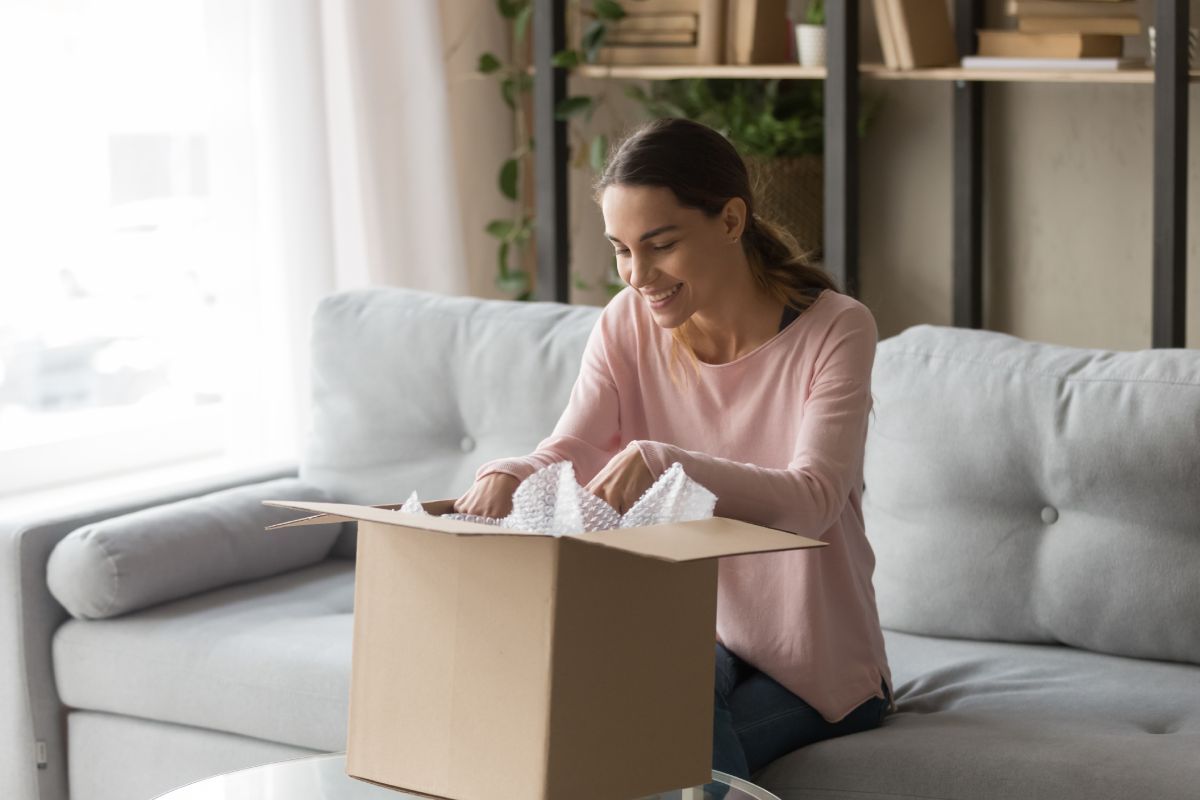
(1035, 513)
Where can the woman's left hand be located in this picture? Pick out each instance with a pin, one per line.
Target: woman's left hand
(623, 480)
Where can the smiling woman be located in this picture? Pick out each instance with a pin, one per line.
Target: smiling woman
(715, 272)
(774, 424)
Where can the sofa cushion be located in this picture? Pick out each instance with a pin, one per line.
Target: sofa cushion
(268, 659)
(173, 550)
(414, 391)
(1032, 492)
(995, 721)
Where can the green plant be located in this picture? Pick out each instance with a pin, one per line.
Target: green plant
(515, 233)
(515, 80)
(762, 118)
(815, 13)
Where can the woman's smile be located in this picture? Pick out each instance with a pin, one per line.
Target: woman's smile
(659, 300)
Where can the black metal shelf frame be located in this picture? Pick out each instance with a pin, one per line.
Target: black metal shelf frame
(1169, 255)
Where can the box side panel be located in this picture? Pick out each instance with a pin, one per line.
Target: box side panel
(632, 676)
(716, 537)
(448, 693)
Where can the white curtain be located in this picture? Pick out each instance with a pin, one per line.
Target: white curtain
(357, 149)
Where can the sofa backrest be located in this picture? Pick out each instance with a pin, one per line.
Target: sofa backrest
(1030, 492)
(413, 391)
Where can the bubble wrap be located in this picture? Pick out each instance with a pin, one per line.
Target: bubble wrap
(552, 501)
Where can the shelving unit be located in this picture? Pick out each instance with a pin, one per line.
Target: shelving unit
(1169, 77)
(873, 71)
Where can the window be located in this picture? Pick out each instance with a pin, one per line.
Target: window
(131, 299)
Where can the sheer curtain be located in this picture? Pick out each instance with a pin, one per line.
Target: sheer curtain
(182, 183)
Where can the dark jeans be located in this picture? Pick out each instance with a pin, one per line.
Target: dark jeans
(756, 720)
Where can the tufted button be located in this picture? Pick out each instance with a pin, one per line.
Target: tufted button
(1049, 515)
(467, 444)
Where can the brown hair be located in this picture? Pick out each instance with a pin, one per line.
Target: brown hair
(704, 171)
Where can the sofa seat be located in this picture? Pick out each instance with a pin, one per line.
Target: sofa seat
(987, 720)
(268, 659)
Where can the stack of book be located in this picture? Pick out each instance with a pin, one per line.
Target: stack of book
(665, 32)
(1061, 34)
(915, 33)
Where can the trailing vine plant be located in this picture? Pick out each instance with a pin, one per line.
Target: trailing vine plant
(514, 233)
(515, 78)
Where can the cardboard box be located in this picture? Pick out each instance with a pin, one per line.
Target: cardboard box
(491, 663)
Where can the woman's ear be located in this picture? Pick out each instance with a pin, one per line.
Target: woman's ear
(733, 218)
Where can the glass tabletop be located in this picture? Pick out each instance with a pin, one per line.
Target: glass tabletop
(325, 778)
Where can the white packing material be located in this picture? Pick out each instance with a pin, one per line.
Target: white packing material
(552, 501)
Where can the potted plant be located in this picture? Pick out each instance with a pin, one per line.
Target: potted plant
(777, 126)
(810, 35)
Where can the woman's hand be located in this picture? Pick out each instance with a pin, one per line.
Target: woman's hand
(490, 496)
(623, 480)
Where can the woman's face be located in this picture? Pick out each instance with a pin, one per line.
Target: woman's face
(676, 258)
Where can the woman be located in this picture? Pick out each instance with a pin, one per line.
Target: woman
(731, 355)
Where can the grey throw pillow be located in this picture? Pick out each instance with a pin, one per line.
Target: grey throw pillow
(170, 551)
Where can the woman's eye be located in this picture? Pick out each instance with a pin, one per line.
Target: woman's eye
(662, 248)
(621, 253)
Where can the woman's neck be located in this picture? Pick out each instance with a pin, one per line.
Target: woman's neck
(741, 318)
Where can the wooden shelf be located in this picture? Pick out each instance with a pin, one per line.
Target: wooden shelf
(667, 73)
(878, 71)
(1014, 75)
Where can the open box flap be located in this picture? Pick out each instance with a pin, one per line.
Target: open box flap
(715, 537)
(388, 515)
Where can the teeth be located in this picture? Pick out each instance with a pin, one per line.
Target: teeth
(654, 298)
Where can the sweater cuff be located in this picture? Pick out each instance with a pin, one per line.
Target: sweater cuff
(514, 467)
(655, 455)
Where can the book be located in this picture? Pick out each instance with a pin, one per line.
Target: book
(647, 56)
(629, 46)
(887, 39)
(1071, 8)
(1056, 64)
(757, 32)
(1048, 45)
(1115, 26)
(638, 22)
(650, 38)
(922, 33)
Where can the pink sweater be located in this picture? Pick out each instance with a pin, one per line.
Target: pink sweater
(778, 436)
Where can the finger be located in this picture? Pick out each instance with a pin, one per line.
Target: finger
(614, 500)
(595, 483)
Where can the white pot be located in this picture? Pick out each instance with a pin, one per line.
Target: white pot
(1193, 47)
(810, 45)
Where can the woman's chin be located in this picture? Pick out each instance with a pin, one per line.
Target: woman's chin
(669, 319)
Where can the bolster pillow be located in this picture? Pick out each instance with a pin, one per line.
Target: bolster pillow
(178, 549)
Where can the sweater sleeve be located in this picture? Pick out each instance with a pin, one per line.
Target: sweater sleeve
(807, 497)
(588, 432)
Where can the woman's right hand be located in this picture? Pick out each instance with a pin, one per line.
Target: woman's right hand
(490, 496)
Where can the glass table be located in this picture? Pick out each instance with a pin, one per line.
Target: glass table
(324, 778)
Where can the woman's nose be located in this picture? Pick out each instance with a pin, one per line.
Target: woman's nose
(640, 273)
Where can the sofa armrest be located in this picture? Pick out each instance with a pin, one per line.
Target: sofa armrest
(33, 762)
